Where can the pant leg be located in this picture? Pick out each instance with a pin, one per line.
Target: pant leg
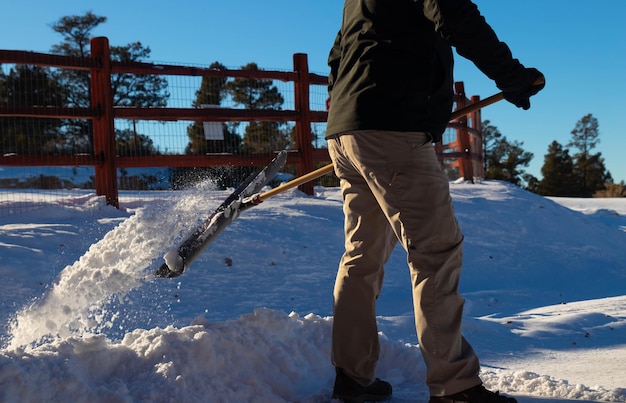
(369, 241)
(403, 174)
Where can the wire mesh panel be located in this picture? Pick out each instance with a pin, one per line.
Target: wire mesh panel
(47, 115)
(24, 138)
(108, 122)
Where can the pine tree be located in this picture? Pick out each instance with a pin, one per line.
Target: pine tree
(26, 86)
(3, 88)
(490, 135)
(128, 89)
(259, 137)
(589, 169)
(558, 173)
(212, 91)
(130, 143)
(142, 91)
(503, 159)
(76, 33)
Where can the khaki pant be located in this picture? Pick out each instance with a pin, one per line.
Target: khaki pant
(394, 190)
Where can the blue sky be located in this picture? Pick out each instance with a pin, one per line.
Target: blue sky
(579, 45)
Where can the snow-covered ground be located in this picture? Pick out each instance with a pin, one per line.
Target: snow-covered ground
(82, 319)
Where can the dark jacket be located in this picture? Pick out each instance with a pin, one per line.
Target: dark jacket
(392, 64)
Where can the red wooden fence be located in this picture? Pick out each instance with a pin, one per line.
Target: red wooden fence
(102, 113)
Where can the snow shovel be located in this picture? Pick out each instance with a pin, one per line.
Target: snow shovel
(178, 260)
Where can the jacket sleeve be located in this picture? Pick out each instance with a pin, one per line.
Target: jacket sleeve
(333, 61)
(460, 23)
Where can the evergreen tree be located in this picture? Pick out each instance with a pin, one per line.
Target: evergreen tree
(532, 183)
(3, 88)
(490, 135)
(558, 173)
(316, 138)
(585, 135)
(130, 143)
(212, 91)
(589, 169)
(76, 33)
(252, 93)
(591, 174)
(503, 159)
(143, 91)
(26, 86)
(264, 137)
(128, 89)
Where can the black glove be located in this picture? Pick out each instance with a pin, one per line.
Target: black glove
(531, 82)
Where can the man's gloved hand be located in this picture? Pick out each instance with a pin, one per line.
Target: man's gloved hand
(519, 95)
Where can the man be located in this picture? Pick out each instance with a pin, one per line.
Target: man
(391, 97)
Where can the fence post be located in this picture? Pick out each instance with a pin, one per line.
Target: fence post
(303, 124)
(103, 126)
(463, 135)
(477, 125)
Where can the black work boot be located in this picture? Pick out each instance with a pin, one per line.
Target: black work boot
(477, 394)
(350, 391)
